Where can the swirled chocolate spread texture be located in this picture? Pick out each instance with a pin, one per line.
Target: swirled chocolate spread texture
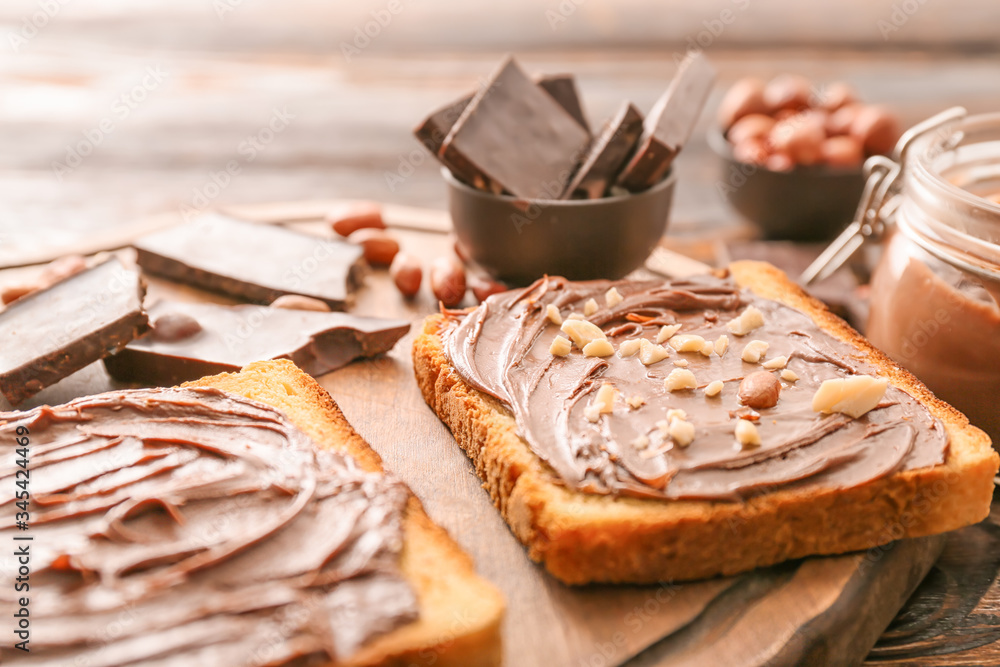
(194, 527)
(503, 349)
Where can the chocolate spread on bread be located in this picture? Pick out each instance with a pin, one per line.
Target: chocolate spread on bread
(191, 526)
(628, 446)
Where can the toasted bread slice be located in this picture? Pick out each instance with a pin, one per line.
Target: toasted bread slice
(460, 613)
(584, 538)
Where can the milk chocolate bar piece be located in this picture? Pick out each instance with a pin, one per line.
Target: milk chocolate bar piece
(52, 333)
(514, 137)
(562, 87)
(252, 261)
(231, 337)
(669, 124)
(607, 154)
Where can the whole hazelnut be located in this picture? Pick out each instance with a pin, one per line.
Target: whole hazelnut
(759, 390)
(746, 96)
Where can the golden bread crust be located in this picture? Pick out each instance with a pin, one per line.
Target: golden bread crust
(460, 613)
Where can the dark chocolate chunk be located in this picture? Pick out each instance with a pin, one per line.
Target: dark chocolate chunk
(607, 154)
(514, 137)
(435, 127)
(669, 124)
(562, 87)
(252, 261)
(233, 336)
(56, 331)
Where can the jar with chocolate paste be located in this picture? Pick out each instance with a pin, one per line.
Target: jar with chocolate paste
(935, 293)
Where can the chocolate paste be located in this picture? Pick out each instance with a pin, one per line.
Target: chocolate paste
(502, 349)
(194, 527)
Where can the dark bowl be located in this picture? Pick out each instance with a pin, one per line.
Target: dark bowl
(811, 203)
(517, 241)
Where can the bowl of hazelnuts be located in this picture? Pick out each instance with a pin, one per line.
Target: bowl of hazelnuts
(793, 153)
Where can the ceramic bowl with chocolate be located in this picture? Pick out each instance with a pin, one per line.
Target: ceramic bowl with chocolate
(793, 152)
(532, 190)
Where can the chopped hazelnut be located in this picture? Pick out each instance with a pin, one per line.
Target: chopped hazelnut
(629, 347)
(635, 402)
(598, 348)
(789, 375)
(603, 402)
(687, 343)
(714, 388)
(853, 396)
(642, 442)
(560, 346)
(553, 315)
(676, 413)
(582, 332)
(776, 363)
(650, 353)
(746, 433)
(590, 307)
(680, 378)
(721, 344)
(754, 351)
(751, 318)
(612, 297)
(683, 363)
(707, 348)
(667, 331)
(681, 431)
(575, 316)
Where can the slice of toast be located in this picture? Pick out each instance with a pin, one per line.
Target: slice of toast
(584, 538)
(460, 613)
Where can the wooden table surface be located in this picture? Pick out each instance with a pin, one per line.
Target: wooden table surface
(346, 133)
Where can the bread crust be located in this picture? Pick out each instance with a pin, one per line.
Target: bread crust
(460, 613)
(582, 538)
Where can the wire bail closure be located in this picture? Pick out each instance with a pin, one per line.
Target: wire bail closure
(879, 199)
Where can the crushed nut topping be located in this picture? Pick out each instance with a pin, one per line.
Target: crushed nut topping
(667, 332)
(603, 403)
(721, 344)
(751, 318)
(582, 332)
(776, 363)
(789, 375)
(650, 353)
(553, 315)
(635, 402)
(598, 348)
(560, 346)
(629, 347)
(687, 343)
(714, 388)
(680, 378)
(590, 307)
(853, 396)
(746, 433)
(754, 351)
(612, 297)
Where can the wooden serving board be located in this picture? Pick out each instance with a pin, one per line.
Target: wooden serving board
(813, 611)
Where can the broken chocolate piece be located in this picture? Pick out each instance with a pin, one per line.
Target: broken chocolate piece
(513, 136)
(435, 128)
(669, 124)
(55, 332)
(607, 155)
(252, 261)
(233, 336)
(562, 87)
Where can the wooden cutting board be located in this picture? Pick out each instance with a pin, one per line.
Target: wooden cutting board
(813, 611)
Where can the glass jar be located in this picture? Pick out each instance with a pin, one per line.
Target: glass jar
(935, 294)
